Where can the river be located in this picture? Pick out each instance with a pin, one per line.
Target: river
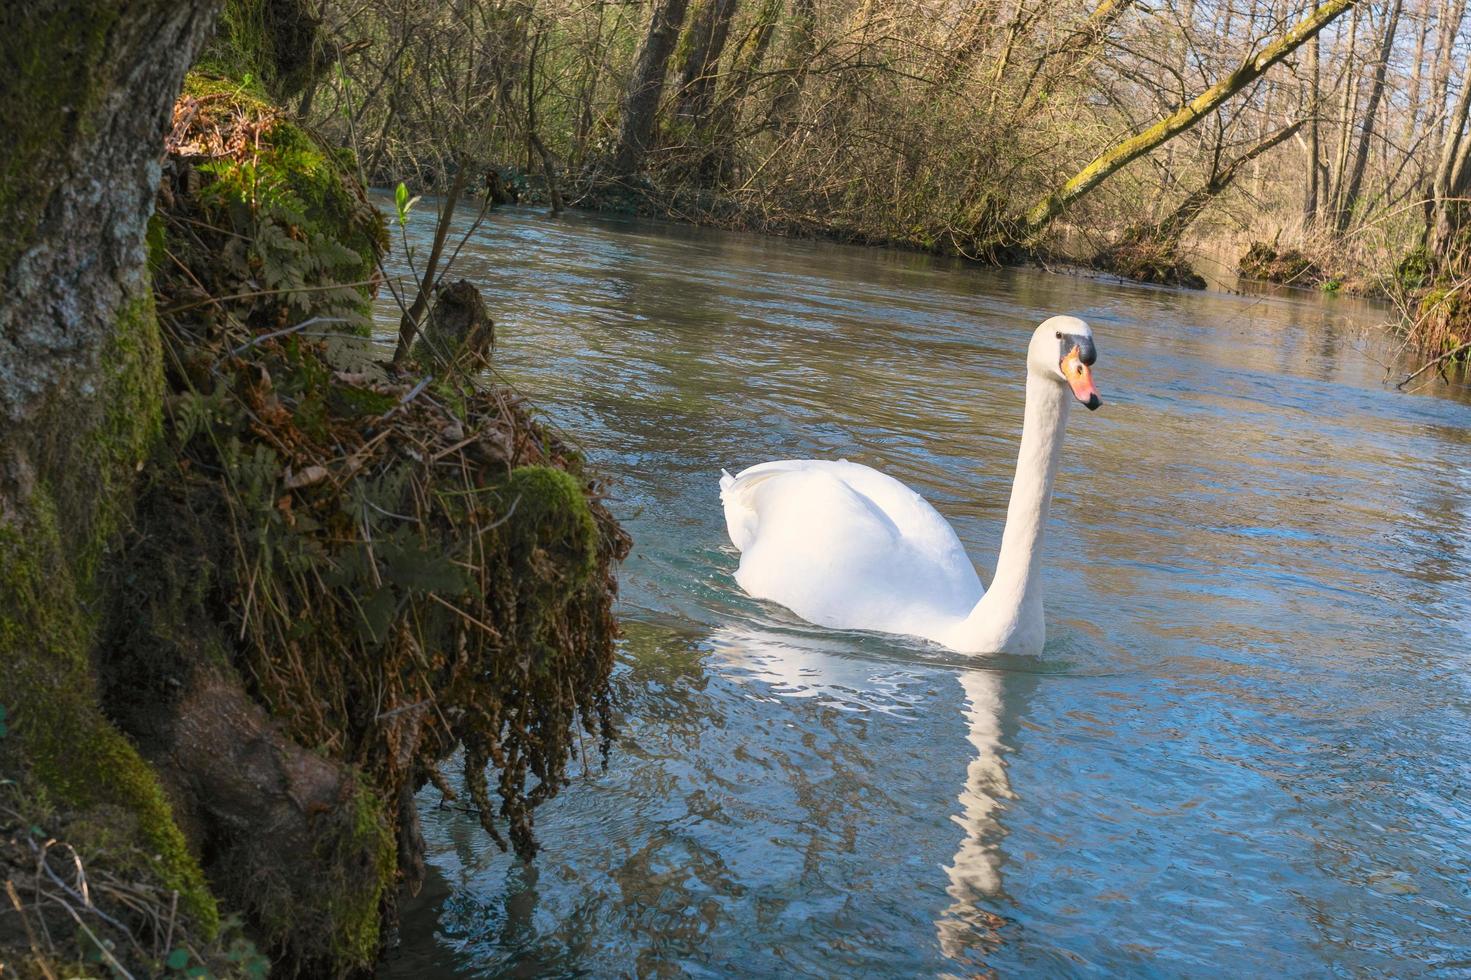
(1244, 750)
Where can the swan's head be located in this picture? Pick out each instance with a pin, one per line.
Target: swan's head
(1062, 349)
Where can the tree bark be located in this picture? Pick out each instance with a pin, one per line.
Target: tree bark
(1314, 104)
(1111, 161)
(1450, 177)
(641, 99)
(82, 124)
(1371, 110)
(548, 164)
(703, 44)
(1347, 112)
(1417, 75)
(1448, 27)
(86, 107)
(724, 118)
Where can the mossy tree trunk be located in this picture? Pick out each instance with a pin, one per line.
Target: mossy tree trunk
(725, 116)
(87, 102)
(641, 99)
(1121, 154)
(1451, 182)
(88, 90)
(699, 55)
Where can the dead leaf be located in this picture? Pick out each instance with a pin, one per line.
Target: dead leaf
(308, 476)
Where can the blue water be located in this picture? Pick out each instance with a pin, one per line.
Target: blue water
(1243, 752)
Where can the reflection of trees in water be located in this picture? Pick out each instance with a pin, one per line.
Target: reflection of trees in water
(753, 816)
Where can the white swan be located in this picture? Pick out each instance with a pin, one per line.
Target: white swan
(846, 547)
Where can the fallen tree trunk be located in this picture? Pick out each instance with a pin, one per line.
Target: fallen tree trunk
(1122, 154)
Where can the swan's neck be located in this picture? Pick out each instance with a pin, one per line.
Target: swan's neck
(1009, 616)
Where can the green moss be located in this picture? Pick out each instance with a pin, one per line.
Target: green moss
(551, 514)
(1414, 270)
(316, 173)
(204, 83)
(51, 60)
(308, 227)
(356, 909)
(59, 741)
(350, 401)
(48, 598)
(132, 403)
(270, 41)
(422, 562)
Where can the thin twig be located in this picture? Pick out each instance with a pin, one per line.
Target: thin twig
(172, 310)
(414, 392)
(30, 933)
(262, 338)
(1448, 355)
(464, 615)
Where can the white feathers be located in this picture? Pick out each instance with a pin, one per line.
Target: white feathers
(845, 546)
(835, 541)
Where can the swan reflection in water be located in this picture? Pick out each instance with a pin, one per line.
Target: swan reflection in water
(975, 871)
(811, 665)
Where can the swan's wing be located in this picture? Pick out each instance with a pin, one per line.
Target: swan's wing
(842, 545)
(912, 516)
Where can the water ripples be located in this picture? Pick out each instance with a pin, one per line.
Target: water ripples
(1244, 748)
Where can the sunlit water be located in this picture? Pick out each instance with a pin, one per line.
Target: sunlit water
(1245, 749)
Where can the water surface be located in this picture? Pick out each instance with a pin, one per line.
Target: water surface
(1244, 749)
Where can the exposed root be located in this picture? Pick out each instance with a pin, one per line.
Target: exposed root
(338, 574)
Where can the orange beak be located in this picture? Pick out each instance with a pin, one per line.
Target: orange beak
(1080, 379)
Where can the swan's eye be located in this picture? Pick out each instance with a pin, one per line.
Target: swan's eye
(1059, 335)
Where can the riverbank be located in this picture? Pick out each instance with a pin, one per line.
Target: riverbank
(1219, 264)
(327, 578)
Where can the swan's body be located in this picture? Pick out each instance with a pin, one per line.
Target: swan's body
(844, 546)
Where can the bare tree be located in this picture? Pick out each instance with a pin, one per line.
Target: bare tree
(645, 85)
(1371, 111)
(1116, 157)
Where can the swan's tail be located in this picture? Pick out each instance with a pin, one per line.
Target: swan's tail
(740, 516)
